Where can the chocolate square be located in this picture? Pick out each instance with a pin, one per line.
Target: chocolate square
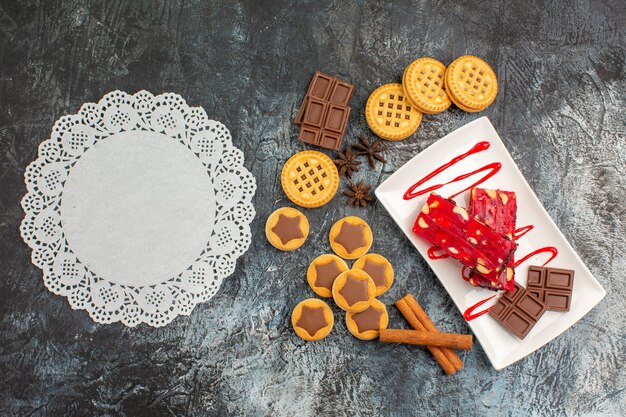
(315, 112)
(341, 93)
(309, 135)
(321, 85)
(499, 309)
(330, 140)
(518, 323)
(560, 279)
(336, 118)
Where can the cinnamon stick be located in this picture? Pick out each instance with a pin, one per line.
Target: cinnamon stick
(448, 366)
(428, 324)
(417, 337)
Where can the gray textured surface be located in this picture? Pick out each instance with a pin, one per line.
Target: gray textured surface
(560, 111)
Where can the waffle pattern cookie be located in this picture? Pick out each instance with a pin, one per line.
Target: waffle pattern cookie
(471, 83)
(424, 86)
(390, 114)
(310, 179)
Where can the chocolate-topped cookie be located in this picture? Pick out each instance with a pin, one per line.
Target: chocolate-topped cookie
(322, 272)
(353, 290)
(378, 268)
(286, 229)
(367, 324)
(312, 319)
(351, 237)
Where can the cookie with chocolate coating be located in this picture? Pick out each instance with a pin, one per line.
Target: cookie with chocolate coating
(354, 290)
(322, 273)
(351, 237)
(367, 324)
(312, 319)
(286, 229)
(378, 268)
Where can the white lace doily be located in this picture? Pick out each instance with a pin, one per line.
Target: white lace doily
(137, 208)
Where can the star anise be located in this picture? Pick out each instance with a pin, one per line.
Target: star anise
(372, 150)
(358, 194)
(347, 162)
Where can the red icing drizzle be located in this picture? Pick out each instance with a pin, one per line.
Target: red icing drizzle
(435, 253)
(468, 314)
(548, 249)
(465, 273)
(479, 147)
(520, 232)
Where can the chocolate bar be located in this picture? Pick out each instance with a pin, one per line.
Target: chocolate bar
(324, 112)
(448, 226)
(518, 311)
(498, 209)
(553, 286)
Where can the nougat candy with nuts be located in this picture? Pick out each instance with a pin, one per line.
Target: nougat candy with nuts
(498, 210)
(470, 241)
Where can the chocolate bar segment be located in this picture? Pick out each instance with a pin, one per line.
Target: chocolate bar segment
(336, 118)
(553, 286)
(324, 112)
(341, 93)
(518, 311)
(315, 113)
(321, 86)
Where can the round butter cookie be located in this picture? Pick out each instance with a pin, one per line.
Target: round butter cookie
(350, 237)
(470, 83)
(378, 268)
(310, 179)
(424, 86)
(390, 114)
(322, 273)
(367, 324)
(286, 229)
(353, 291)
(312, 319)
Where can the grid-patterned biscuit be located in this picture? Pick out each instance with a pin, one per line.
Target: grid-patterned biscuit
(390, 114)
(423, 84)
(471, 83)
(310, 179)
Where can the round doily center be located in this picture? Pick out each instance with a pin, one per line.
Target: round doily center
(138, 208)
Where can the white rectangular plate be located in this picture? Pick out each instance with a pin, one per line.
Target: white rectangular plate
(502, 347)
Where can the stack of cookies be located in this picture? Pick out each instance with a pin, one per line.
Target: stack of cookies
(394, 111)
(354, 290)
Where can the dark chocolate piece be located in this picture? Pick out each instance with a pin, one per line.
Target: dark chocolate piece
(321, 85)
(341, 93)
(287, 228)
(351, 237)
(376, 272)
(326, 274)
(354, 290)
(553, 286)
(312, 319)
(324, 112)
(368, 319)
(518, 311)
(315, 113)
